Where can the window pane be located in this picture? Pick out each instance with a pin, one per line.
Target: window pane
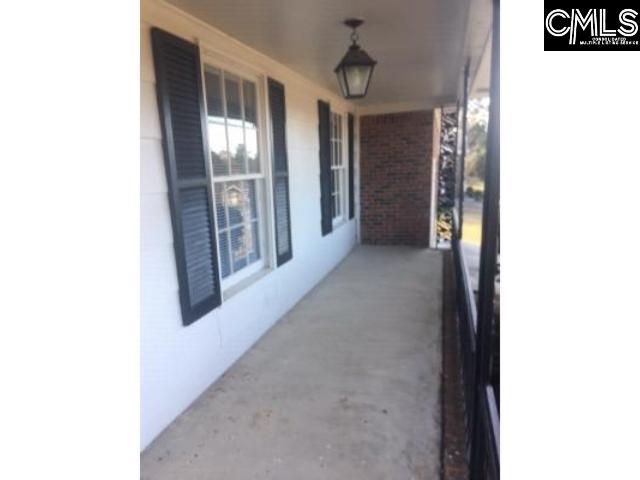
(251, 134)
(232, 107)
(221, 213)
(255, 250)
(215, 122)
(338, 198)
(235, 201)
(249, 91)
(250, 192)
(232, 93)
(213, 92)
(337, 180)
(218, 146)
(250, 125)
(241, 245)
(334, 153)
(223, 246)
(237, 149)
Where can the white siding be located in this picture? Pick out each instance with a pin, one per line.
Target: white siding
(178, 363)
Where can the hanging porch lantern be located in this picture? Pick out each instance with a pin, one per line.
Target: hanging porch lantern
(356, 67)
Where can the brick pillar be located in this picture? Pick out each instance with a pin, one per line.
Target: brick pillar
(395, 178)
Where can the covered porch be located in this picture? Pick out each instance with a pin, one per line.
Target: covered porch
(303, 314)
(346, 385)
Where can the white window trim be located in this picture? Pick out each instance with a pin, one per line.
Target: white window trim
(248, 275)
(344, 143)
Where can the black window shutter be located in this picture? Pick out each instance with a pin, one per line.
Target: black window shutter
(280, 172)
(182, 116)
(351, 206)
(324, 130)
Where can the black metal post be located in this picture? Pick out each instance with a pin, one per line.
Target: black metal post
(488, 257)
(463, 149)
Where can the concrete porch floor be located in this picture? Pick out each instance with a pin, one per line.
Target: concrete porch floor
(345, 386)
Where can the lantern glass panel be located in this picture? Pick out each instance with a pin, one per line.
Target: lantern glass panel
(357, 77)
(341, 82)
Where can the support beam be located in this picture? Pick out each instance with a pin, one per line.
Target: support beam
(488, 257)
(463, 148)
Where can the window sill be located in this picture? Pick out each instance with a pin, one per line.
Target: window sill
(339, 223)
(236, 288)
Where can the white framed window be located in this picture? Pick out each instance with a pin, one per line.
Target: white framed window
(338, 169)
(238, 166)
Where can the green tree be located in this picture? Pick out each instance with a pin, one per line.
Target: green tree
(477, 122)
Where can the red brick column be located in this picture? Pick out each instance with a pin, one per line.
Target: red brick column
(395, 178)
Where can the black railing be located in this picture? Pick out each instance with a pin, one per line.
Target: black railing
(477, 317)
(468, 320)
(478, 349)
(481, 406)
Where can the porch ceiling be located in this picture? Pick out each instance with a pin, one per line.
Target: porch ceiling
(420, 45)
